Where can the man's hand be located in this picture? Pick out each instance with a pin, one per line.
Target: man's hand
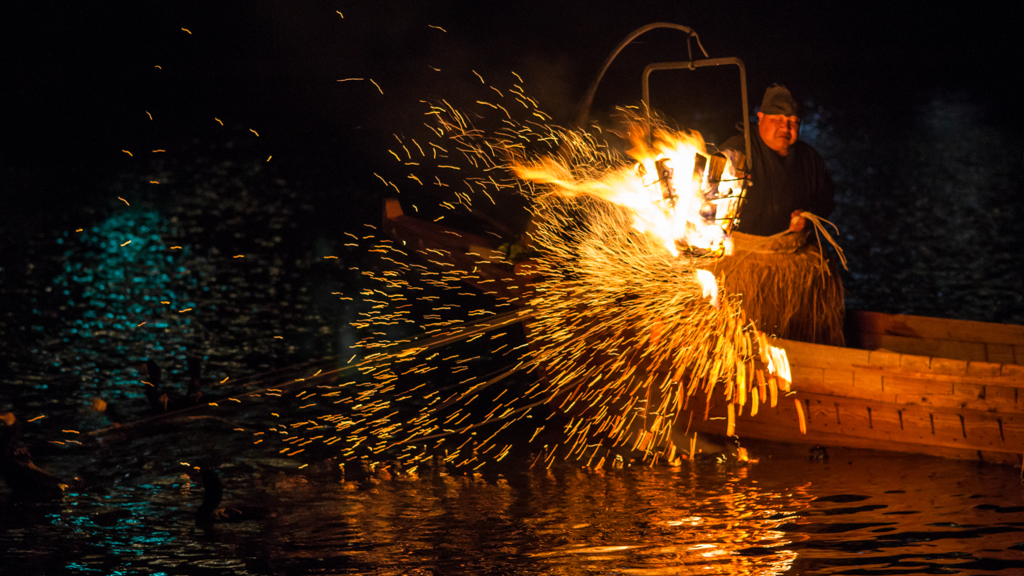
(796, 221)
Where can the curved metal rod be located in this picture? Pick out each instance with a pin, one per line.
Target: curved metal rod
(645, 89)
(584, 112)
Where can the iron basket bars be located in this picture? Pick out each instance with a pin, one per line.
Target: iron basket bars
(720, 206)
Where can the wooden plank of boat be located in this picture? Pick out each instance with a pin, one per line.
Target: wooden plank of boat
(889, 401)
(966, 340)
(913, 384)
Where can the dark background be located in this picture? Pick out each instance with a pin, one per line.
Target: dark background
(883, 81)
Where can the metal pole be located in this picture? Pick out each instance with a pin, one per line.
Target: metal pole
(693, 65)
(588, 99)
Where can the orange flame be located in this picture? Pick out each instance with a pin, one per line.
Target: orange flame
(707, 282)
(676, 191)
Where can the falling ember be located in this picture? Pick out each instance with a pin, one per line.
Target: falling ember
(778, 363)
(800, 415)
(622, 330)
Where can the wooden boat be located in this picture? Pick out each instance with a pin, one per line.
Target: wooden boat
(905, 383)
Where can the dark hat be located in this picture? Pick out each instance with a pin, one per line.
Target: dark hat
(778, 100)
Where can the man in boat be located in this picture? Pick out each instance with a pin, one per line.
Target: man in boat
(788, 288)
(787, 175)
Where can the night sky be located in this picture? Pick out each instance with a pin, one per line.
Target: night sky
(79, 78)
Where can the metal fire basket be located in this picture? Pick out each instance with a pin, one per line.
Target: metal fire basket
(708, 169)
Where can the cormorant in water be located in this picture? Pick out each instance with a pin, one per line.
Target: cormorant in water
(213, 491)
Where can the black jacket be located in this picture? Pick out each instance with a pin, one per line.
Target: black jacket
(781, 184)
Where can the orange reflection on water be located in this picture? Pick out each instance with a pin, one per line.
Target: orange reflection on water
(565, 521)
(861, 511)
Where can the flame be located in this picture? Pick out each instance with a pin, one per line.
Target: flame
(677, 192)
(778, 364)
(707, 282)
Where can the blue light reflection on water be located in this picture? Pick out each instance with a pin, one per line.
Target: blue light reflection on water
(216, 272)
(125, 288)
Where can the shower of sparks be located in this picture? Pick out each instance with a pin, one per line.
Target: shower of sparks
(627, 328)
(626, 337)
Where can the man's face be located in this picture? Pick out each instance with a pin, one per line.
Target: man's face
(778, 132)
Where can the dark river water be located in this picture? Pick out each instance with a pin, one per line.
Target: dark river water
(858, 513)
(230, 268)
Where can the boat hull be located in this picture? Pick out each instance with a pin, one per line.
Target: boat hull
(885, 400)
